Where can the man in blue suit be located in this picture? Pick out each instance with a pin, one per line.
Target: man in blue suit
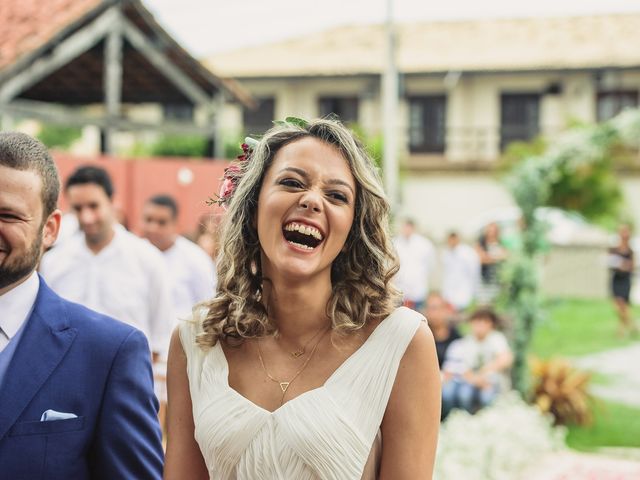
(76, 388)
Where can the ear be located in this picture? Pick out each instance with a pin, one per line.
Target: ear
(51, 229)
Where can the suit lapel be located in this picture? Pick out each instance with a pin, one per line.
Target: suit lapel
(45, 341)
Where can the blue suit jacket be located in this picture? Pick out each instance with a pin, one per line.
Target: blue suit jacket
(71, 359)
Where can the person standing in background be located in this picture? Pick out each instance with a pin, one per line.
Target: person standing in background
(492, 254)
(193, 275)
(439, 314)
(107, 268)
(192, 271)
(460, 273)
(621, 263)
(417, 263)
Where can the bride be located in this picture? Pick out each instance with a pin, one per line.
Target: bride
(302, 367)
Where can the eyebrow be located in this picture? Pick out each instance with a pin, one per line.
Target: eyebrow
(305, 175)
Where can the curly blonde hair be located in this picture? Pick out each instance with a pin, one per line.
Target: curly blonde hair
(361, 274)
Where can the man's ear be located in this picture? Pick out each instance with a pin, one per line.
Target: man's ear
(51, 229)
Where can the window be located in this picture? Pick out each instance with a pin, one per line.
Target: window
(345, 108)
(609, 104)
(519, 117)
(427, 123)
(178, 111)
(258, 121)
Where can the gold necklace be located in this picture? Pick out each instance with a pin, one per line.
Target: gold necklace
(302, 350)
(285, 385)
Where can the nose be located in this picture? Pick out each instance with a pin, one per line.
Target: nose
(312, 201)
(85, 216)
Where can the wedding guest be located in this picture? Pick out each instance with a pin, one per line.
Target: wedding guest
(492, 254)
(621, 264)
(417, 259)
(302, 366)
(76, 392)
(107, 268)
(439, 314)
(460, 273)
(192, 273)
(476, 367)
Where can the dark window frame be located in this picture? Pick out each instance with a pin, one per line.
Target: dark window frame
(344, 107)
(260, 119)
(513, 105)
(620, 96)
(432, 129)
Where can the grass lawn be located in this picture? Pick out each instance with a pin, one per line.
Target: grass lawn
(614, 425)
(577, 327)
(580, 327)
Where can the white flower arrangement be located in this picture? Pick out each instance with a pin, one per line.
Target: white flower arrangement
(497, 443)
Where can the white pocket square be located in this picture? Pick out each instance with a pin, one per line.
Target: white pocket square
(51, 415)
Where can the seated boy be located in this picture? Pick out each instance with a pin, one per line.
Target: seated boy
(476, 367)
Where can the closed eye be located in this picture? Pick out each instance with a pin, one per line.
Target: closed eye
(339, 196)
(291, 183)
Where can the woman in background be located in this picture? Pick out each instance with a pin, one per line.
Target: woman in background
(621, 263)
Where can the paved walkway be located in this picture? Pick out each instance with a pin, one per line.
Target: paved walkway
(621, 367)
(581, 466)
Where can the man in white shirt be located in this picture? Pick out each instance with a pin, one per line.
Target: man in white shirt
(192, 271)
(71, 380)
(417, 263)
(107, 268)
(460, 273)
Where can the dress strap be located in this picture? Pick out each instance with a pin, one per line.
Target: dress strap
(364, 382)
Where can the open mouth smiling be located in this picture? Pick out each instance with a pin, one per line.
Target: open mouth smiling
(302, 236)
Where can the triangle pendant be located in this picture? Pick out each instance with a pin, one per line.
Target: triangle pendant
(284, 386)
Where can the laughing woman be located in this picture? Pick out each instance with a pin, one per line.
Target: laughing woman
(302, 367)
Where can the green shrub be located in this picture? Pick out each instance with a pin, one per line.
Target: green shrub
(58, 136)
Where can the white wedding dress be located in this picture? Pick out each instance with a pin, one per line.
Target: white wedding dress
(331, 432)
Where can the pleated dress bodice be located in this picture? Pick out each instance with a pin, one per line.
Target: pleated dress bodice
(330, 432)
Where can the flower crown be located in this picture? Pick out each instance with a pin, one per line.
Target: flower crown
(234, 172)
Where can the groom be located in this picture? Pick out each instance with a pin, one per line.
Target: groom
(76, 391)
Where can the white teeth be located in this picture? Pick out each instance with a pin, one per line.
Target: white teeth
(299, 245)
(304, 229)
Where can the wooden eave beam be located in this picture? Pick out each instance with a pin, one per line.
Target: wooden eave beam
(159, 60)
(67, 50)
(62, 115)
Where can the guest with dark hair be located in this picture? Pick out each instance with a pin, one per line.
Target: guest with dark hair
(439, 313)
(492, 254)
(77, 394)
(476, 367)
(108, 268)
(621, 263)
(192, 271)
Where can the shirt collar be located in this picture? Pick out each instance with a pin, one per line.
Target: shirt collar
(17, 303)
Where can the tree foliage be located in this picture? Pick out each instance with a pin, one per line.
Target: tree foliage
(575, 172)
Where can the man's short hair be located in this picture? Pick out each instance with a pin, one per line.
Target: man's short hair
(22, 152)
(91, 174)
(167, 201)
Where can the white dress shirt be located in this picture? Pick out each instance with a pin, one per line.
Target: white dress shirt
(15, 308)
(460, 275)
(127, 280)
(192, 273)
(417, 262)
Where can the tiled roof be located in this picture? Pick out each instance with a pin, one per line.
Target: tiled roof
(29, 24)
(478, 45)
